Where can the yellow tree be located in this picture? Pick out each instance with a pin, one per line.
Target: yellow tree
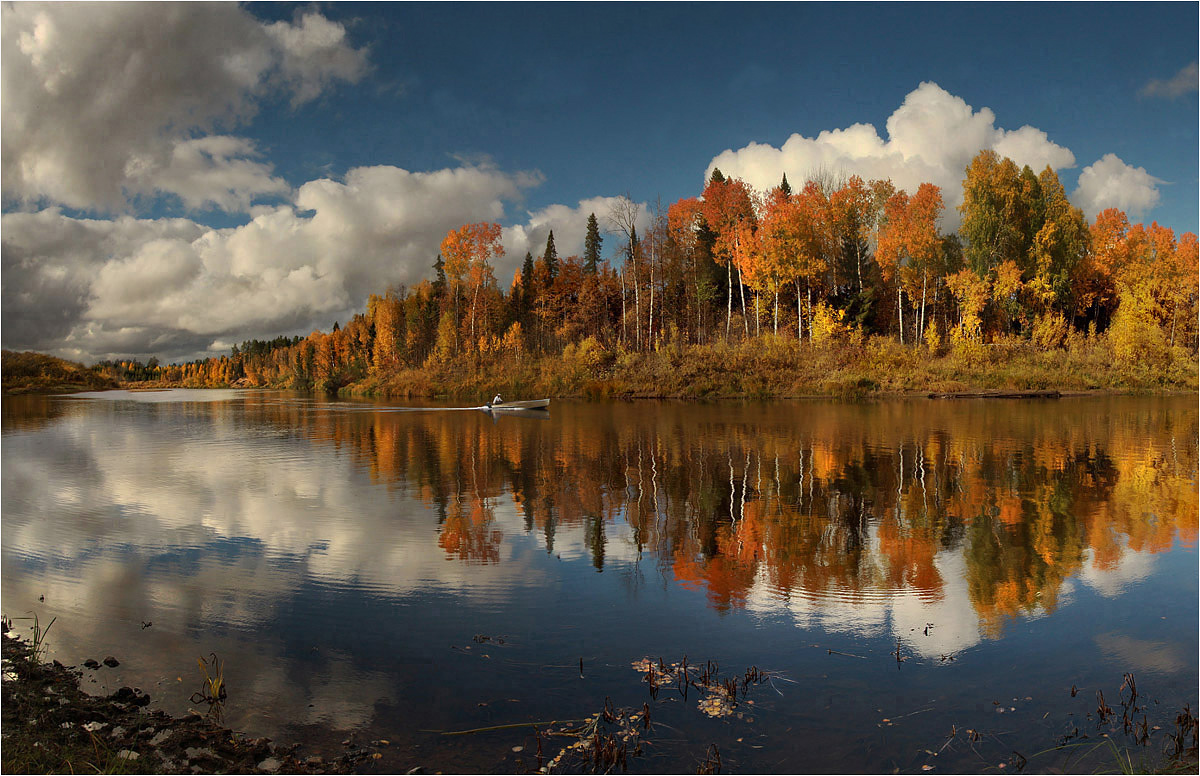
(469, 251)
(728, 207)
(909, 246)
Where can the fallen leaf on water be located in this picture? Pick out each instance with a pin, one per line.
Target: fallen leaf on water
(518, 748)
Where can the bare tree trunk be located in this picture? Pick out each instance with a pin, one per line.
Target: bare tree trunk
(1174, 314)
(637, 301)
(924, 279)
(810, 313)
(799, 315)
(777, 310)
(742, 292)
(624, 312)
(900, 308)
(650, 328)
(729, 299)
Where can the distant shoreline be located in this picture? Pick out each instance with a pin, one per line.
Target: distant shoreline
(772, 369)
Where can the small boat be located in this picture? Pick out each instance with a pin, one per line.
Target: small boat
(512, 406)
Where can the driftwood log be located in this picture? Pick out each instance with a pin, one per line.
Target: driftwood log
(997, 395)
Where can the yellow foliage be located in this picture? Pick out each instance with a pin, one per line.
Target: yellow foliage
(1135, 336)
(827, 324)
(1049, 331)
(933, 339)
(514, 340)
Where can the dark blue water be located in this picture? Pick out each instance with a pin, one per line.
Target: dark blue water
(922, 583)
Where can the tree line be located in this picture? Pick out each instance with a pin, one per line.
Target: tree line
(837, 259)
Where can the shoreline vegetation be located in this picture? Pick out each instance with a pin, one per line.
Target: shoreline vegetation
(30, 372)
(766, 368)
(844, 288)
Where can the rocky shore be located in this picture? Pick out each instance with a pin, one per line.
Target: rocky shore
(50, 725)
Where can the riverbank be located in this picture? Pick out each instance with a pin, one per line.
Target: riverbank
(780, 368)
(31, 372)
(52, 726)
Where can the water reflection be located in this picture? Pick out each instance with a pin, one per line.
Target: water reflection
(324, 543)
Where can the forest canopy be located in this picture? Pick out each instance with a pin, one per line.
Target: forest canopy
(835, 263)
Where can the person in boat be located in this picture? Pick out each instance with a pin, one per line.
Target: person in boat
(495, 400)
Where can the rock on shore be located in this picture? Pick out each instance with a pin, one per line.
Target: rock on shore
(51, 726)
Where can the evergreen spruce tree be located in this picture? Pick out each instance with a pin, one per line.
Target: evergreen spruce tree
(591, 245)
(528, 284)
(785, 187)
(716, 176)
(527, 279)
(551, 256)
(439, 280)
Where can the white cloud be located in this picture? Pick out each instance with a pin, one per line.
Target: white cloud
(104, 102)
(570, 229)
(1110, 182)
(932, 137)
(89, 289)
(1184, 82)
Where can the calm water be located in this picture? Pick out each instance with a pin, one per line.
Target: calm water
(376, 573)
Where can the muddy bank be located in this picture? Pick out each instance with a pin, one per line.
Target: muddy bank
(52, 726)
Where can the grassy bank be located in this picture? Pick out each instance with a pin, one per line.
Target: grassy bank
(783, 368)
(29, 372)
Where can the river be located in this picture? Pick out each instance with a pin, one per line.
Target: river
(897, 585)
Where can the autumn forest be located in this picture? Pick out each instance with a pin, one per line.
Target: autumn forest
(839, 286)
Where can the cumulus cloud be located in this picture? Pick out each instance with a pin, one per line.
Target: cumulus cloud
(569, 225)
(1110, 182)
(104, 102)
(1184, 82)
(931, 137)
(89, 289)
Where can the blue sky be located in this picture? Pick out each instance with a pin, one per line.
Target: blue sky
(183, 177)
(610, 97)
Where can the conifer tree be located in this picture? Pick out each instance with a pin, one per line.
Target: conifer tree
(551, 256)
(439, 282)
(527, 278)
(591, 245)
(785, 187)
(716, 176)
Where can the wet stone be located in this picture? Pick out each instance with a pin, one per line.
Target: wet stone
(197, 753)
(111, 662)
(270, 765)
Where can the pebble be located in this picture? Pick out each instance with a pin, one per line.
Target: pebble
(111, 662)
(195, 753)
(270, 765)
(92, 664)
